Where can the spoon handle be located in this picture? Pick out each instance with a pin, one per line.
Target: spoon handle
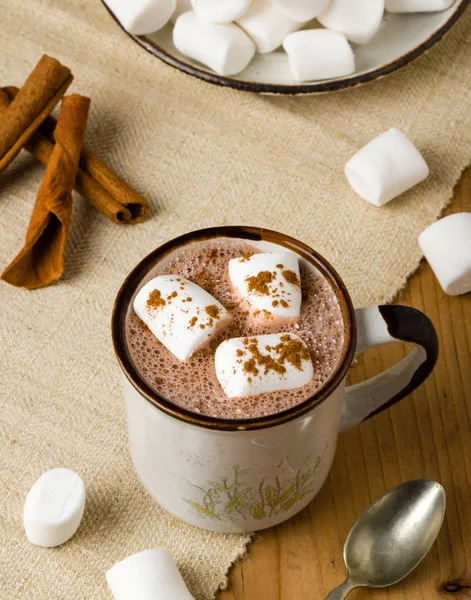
(342, 591)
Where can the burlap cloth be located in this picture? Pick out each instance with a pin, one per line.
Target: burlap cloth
(203, 155)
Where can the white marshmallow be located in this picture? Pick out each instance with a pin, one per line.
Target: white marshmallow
(220, 11)
(141, 17)
(303, 10)
(54, 508)
(410, 6)
(181, 314)
(446, 245)
(386, 167)
(281, 297)
(358, 20)
(241, 373)
(319, 54)
(267, 24)
(224, 48)
(182, 6)
(147, 575)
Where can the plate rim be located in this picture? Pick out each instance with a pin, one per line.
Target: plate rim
(319, 87)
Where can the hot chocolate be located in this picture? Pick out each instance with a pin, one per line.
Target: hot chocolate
(193, 384)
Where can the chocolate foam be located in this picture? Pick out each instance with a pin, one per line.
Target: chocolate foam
(193, 384)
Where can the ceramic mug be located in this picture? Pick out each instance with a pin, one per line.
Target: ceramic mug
(244, 475)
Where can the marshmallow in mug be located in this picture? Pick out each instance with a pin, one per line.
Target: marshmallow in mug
(303, 10)
(358, 20)
(267, 23)
(147, 575)
(409, 6)
(54, 508)
(248, 366)
(141, 17)
(446, 245)
(319, 54)
(269, 282)
(182, 315)
(386, 167)
(220, 11)
(224, 48)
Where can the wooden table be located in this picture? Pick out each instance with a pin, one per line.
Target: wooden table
(426, 435)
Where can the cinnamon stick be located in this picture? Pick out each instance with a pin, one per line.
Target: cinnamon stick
(41, 261)
(119, 202)
(117, 188)
(38, 96)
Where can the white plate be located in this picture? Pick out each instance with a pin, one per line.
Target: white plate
(401, 39)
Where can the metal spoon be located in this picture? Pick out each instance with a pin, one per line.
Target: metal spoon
(392, 536)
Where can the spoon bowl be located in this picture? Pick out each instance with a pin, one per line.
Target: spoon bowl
(392, 536)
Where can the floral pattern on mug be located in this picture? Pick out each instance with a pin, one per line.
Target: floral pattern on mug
(231, 498)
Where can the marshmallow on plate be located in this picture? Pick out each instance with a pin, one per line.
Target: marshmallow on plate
(446, 245)
(248, 366)
(303, 10)
(181, 314)
(268, 24)
(141, 17)
(147, 575)
(220, 11)
(182, 6)
(223, 47)
(386, 167)
(269, 282)
(319, 54)
(54, 508)
(358, 20)
(408, 6)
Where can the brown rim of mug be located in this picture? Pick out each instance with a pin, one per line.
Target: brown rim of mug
(132, 281)
(319, 87)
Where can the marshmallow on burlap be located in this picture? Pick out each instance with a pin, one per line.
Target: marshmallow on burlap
(410, 6)
(141, 17)
(248, 366)
(358, 20)
(220, 11)
(182, 6)
(223, 47)
(147, 575)
(446, 245)
(386, 167)
(269, 282)
(54, 508)
(303, 10)
(181, 314)
(319, 54)
(268, 24)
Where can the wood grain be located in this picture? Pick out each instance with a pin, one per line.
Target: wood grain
(426, 435)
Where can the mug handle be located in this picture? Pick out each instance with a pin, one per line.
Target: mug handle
(385, 324)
